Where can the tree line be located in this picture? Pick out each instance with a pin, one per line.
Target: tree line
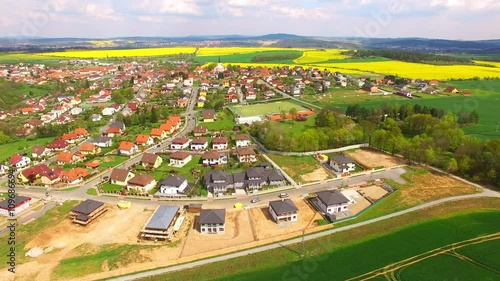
(409, 56)
(286, 56)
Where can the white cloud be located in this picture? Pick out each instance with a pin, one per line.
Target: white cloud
(182, 7)
(101, 12)
(150, 19)
(299, 13)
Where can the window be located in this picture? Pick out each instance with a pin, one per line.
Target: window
(203, 230)
(221, 229)
(294, 217)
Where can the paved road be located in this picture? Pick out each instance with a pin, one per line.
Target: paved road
(486, 193)
(29, 217)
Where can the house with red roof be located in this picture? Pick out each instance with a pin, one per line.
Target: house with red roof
(58, 145)
(157, 133)
(127, 148)
(74, 176)
(19, 161)
(144, 140)
(70, 138)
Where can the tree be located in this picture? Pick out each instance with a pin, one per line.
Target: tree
(154, 115)
(283, 115)
(293, 112)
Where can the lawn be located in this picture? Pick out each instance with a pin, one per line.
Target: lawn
(25, 233)
(111, 161)
(289, 126)
(23, 145)
(359, 250)
(108, 187)
(266, 108)
(91, 259)
(247, 57)
(91, 191)
(290, 165)
(225, 122)
(15, 58)
(164, 170)
(423, 186)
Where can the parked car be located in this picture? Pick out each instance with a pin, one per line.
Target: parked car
(283, 195)
(157, 146)
(105, 178)
(255, 200)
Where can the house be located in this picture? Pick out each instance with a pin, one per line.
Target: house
(369, 88)
(87, 211)
(120, 177)
(242, 140)
(452, 90)
(167, 127)
(41, 173)
(89, 148)
(157, 133)
(433, 82)
(58, 144)
(102, 141)
(199, 144)
(210, 158)
(180, 158)
(111, 132)
(118, 125)
(108, 111)
(173, 185)
(39, 151)
(283, 211)
(208, 115)
(342, 163)
(4, 169)
(151, 161)
(253, 178)
(332, 201)
(13, 206)
(430, 91)
(180, 143)
(162, 224)
(220, 143)
(74, 176)
(199, 131)
(127, 148)
(246, 155)
(66, 157)
(81, 132)
(141, 183)
(19, 161)
(76, 110)
(144, 140)
(212, 221)
(70, 138)
(96, 117)
(182, 101)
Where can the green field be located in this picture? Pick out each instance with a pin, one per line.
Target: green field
(247, 57)
(354, 252)
(265, 108)
(290, 165)
(22, 145)
(225, 122)
(289, 126)
(28, 58)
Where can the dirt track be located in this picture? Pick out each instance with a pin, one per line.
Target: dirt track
(370, 158)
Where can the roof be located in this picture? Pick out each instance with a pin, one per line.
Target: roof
(101, 139)
(342, 159)
(199, 141)
(81, 131)
(149, 158)
(211, 155)
(245, 151)
(332, 197)
(69, 136)
(65, 156)
(156, 132)
(74, 174)
(141, 138)
(213, 216)
(87, 147)
(173, 180)
(180, 155)
(87, 207)
(117, 125)
(126, 145)
(200, 130)
(163, 217)
(38, 149)
(220, 140)
(18, 199)
(180, 141)
(208, 114)
(283, 206)
(119, 174)
(58, 144)
(141, 180)
(242, 137)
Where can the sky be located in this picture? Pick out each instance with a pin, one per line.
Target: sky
(445, 19)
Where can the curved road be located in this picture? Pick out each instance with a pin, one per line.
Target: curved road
(485, 193)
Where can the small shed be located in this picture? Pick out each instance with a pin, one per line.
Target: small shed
(194, 208)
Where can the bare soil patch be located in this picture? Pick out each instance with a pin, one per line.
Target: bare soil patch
(316, 175)
(374, 192)
(370, 158)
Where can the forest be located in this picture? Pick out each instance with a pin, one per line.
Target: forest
(409, 57)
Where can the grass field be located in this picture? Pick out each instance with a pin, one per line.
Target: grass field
(247, 57)
(225, 122)
(265, 108)
(27, 57)
(296, 126)
(290, 164)
(360, 250)
(145, 52)
(22, 145)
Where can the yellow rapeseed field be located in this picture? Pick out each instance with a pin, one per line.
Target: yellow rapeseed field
(418, 70)
(316, 56)
(239, 50)
(146, 52)
(494, 63)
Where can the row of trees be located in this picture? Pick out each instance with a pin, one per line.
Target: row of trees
(409, 56)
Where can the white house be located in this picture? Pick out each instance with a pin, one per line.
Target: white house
(210, 158)
(173, 185)
(108, 111)
(342, 163)
(243, 140)
(179, 159)
(180, 143)
(212, 221)
(76, 110)
(283, 211)
(141, 183)
(4, 169)
(14, 205)
(199, 144)
(96, 117)
(220, 143)
(128, 148)
(102, 141)
(19, 161)
(332, 201)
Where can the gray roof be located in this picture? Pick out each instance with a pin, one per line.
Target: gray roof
(87, 207)
(342, 159)
(332, 197)
(283, 206)
(18, 199)
(173, 181)
(101, 139)
(213, 216)
(117, 125)
(163, 217)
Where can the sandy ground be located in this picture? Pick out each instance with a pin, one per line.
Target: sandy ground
(266, 228)
(371, 158)
(317, 175)
(374, 192)
(358, 202)
(238, 231)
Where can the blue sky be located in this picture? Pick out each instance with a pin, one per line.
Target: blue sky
(447, 19)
